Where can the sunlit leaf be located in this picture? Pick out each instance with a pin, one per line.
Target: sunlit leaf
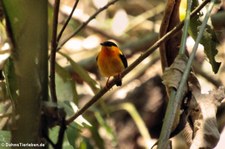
(79, 120)
(72, 108)
(182, 9)
(4, 46)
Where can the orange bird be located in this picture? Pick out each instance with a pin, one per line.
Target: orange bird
(111, 61)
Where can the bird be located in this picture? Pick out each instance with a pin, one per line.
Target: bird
(111, 61)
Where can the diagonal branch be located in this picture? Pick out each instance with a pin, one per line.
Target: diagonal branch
(86, 22)
(133, 65)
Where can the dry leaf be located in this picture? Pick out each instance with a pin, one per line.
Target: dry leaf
(207, 133)
(169, 49)
(172, 75)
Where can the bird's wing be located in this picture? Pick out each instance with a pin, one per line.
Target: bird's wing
(124, 60)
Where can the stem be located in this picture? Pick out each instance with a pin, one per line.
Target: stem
(62, 130)
(186, 25)
(53, 51)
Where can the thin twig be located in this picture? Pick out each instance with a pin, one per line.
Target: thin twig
(133, 65)
(95, 29)
(67, 21)
(185, 29)
(53, 51)
(49, 141)
(86, 22)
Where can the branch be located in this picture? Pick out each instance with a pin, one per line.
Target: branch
(54, 44)
(62, 129)
(93, 28)
(67, 21)
(133, 65)
(86, 22)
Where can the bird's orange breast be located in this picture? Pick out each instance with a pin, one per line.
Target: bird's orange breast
(109, 62)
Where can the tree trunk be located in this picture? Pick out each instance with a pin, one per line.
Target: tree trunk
(27, 24)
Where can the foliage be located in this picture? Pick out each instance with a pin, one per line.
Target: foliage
(99, 116)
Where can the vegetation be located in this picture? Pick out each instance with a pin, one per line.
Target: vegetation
(53, 96)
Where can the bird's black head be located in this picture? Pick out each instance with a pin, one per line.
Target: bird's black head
(108, 44)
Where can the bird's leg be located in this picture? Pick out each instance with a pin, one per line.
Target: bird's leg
(107, 82)
(118, 79)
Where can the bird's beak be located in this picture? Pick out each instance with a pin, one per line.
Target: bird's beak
(102, 43)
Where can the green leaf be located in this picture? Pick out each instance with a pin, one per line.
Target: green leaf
(53, 135)
(10, 77)
(210, 42)
(65, 86)
(73, 134)
(75, 139)
(209, 39)
(62, 72)
(96, 137)
(109, 130)
(82, 73)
